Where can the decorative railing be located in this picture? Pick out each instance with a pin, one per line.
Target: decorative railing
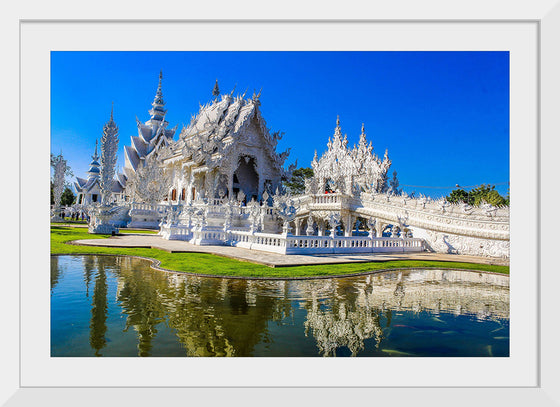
(436, 207)
(481, 222)
(159, 208)
(176, 232)
(326, 199)
(289, 244)
(353, 242)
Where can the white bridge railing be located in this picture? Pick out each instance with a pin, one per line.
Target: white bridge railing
(290, 244)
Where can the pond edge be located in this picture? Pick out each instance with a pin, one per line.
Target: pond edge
(155, 265)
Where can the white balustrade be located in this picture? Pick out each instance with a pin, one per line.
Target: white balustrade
(326, 199)
(289, 244)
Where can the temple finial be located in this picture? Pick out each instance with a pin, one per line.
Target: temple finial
(158, 92)
(95, 156)
(363, 135)
(158, 112)
(337, 130)
(216, 90)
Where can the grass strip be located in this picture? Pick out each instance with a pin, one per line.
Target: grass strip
(143, 231)
(203, 263)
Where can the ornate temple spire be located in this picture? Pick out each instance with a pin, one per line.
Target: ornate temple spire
(363, 140)
(337, 131)
(158, 112)
(256, 98)
(216, 90)
(95, 155)
(315, 158)
(94, 165)
(158, 92)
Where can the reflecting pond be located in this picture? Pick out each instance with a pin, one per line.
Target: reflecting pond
(119, 306)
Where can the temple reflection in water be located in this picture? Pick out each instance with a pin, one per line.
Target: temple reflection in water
(235, 317)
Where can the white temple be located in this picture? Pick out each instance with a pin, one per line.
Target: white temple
(220, 183)
(89, 191)
(224, 151)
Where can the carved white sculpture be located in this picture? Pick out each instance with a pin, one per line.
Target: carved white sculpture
(58, 163)
(109, 146)
(333, 218)
(151, 182)
(348, 170)
(286, 209)
(102, 213)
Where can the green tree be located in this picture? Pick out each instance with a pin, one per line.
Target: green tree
(483, 193)
(67, 198)
(487, 193)
(297, 184)
(459, 195)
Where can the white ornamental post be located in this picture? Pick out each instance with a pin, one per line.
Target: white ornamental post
(309, 230)
(60, 169)
(371, 225)
(109, 147)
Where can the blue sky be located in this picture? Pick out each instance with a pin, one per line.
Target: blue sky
(443, 116)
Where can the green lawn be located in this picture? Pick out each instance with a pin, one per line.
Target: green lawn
(68, 220)
(149, 232)
(216, 265)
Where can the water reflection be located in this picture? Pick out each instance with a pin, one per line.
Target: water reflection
(56, 271)
(138, 311)
(352, 308)
(99, 308)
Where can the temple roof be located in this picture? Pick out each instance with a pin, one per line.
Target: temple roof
(221, 118)
(219, 124)
(151, 135)
(85, 186)
(121, 178)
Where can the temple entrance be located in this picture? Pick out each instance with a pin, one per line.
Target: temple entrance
(330, 186)
(246, 178)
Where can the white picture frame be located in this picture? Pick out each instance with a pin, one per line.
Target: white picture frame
(545, 16)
